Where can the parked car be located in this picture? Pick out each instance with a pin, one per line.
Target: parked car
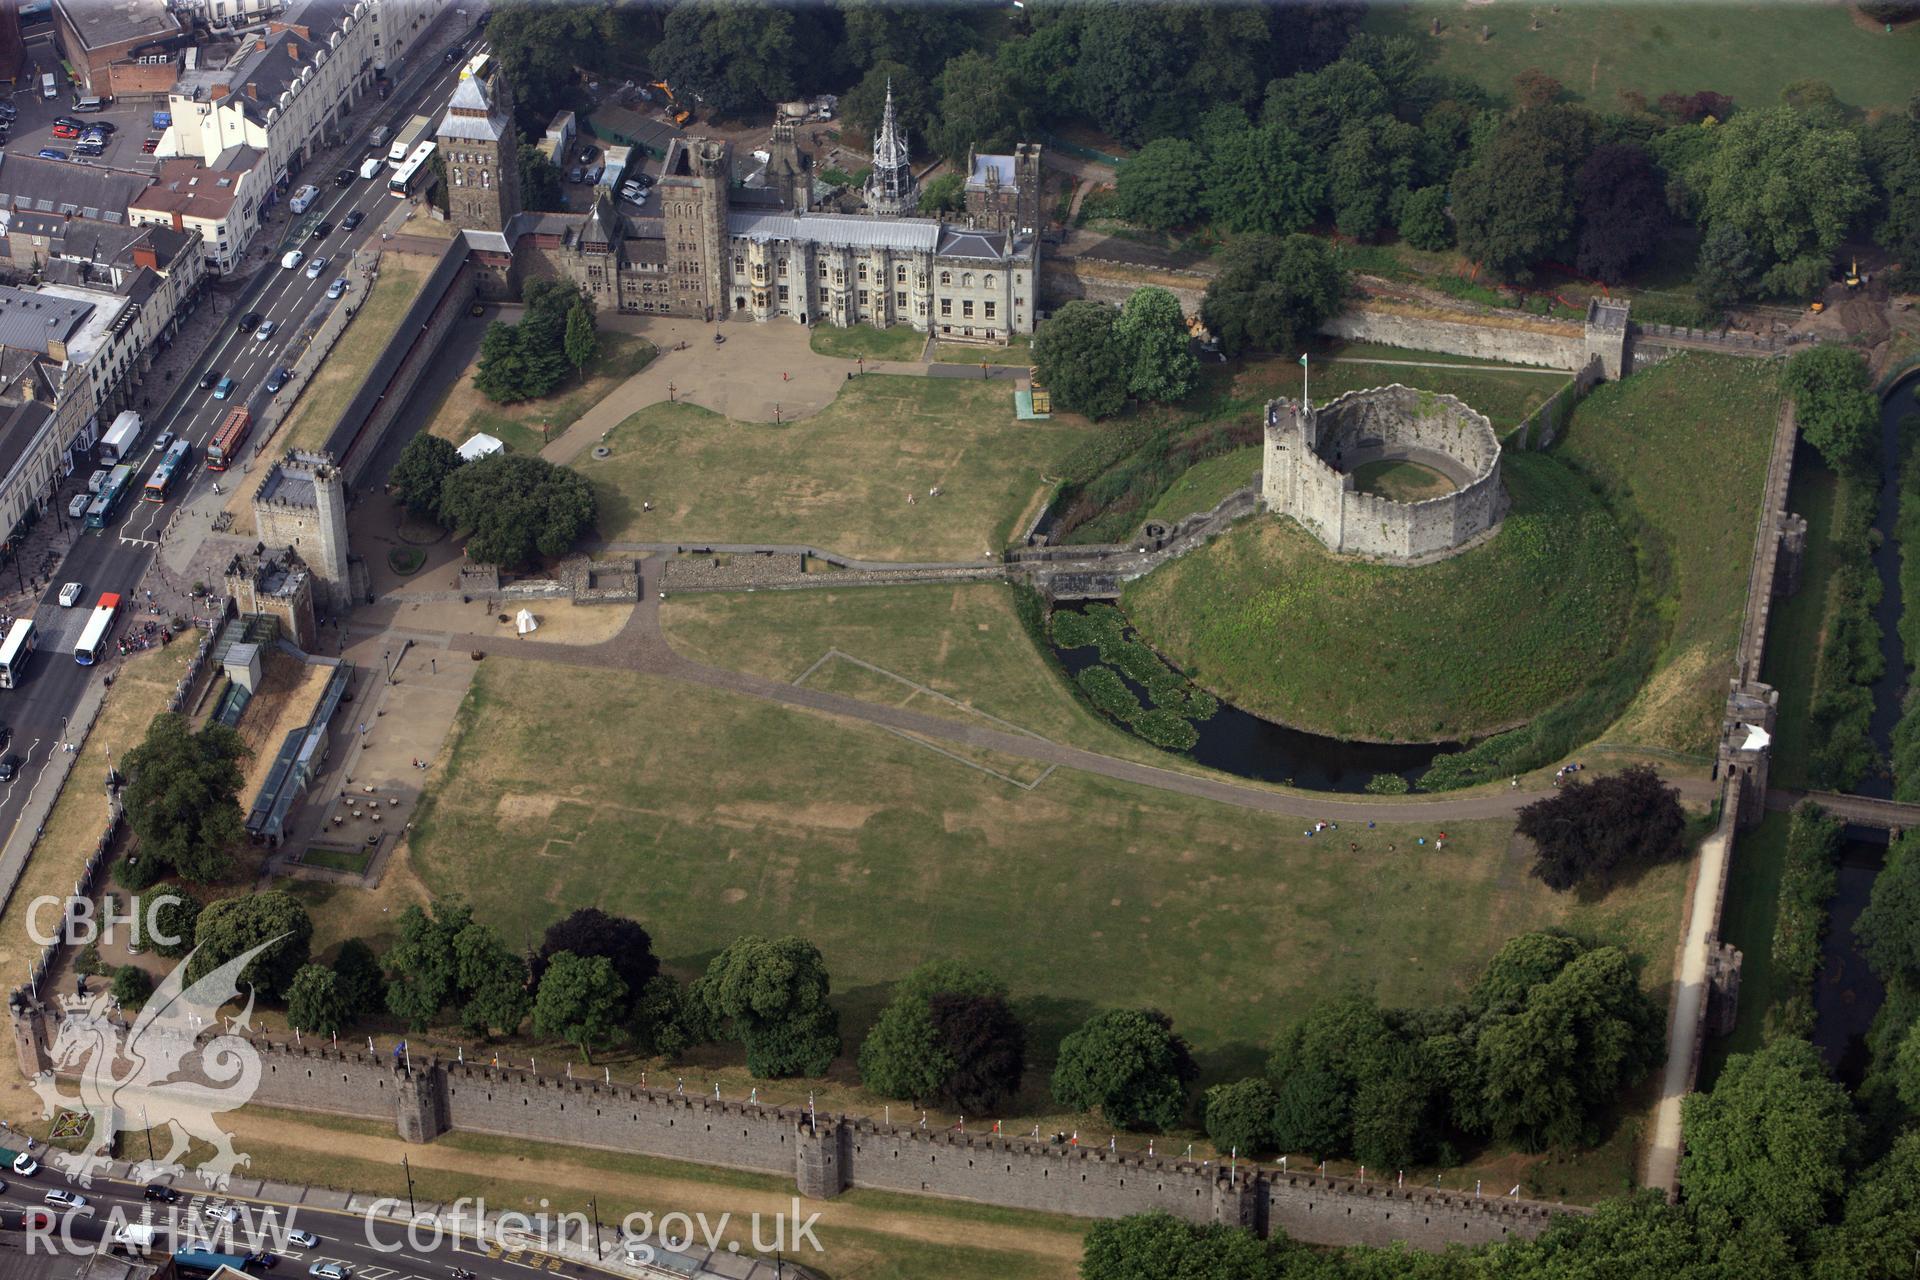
(576, 174)
(338, 288)
(353, 219)
(161, 441)
(302, 1239)
(65, 131)
(104, 126)
(293, 259)
(160, 1191)
(329, 1271)
(265, 330)
(70, 593)
(278, 379)
(594, 172)
(224, 388)
(586, 155)
(52, 153)
(251, 320)
(208, 378)
(150, 146)
(322, 229)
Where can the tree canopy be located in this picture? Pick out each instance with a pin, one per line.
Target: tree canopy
(1834, 403)
(1128, 1064)
(771, 995)
(233, 926)
(183, 801)
(947, 1035)
(1161, 185)
(420, 473)
(581, 999)
(1587, 832)
(1076, 357)
(1151, 332)
(517, 508)
(528, 360)
(588, 932)
(1272, 294)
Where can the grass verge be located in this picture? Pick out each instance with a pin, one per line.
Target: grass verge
(902, 342)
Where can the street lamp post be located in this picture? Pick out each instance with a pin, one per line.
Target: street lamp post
(151, 1158)
(593, 1203)
(408, 1170)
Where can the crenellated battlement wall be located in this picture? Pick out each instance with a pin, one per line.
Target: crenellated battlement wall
(827, 1154)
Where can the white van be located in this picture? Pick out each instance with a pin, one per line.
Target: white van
(303, 198)
(88, 106)
(47, 88)
(371, 167)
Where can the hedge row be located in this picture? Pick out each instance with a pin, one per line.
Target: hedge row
(1906, 734)
(1807, 884)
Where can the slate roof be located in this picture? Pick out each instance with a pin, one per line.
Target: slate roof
(843, 231)
(54, 186)
(25, 315)
(470, 115)
(963, 242)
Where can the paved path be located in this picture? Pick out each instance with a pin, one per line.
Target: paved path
(643, 647)
(1684, 1013)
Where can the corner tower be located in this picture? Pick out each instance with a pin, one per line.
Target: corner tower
(694, 203)
(481, 152)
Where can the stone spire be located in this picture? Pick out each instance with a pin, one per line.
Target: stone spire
(890, 187)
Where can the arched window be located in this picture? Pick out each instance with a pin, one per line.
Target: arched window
(459, 178)
(966, 281)
(486, 177)
(989, 280)
(946, 277)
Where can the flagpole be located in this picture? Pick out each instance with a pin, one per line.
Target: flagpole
(1306, 397)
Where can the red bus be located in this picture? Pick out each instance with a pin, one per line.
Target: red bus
(226, 442)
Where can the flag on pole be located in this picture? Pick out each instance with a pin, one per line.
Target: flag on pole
(1303, 359)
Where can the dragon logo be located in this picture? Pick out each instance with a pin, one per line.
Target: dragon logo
(171, 1070)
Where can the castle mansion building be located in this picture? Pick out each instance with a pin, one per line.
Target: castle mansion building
(705, 244)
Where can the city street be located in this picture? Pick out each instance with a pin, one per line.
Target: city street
(115, 559)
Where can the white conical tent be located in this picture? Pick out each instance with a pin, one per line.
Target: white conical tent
(525, 623)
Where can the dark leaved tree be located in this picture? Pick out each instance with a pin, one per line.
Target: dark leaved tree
(184, 799)
(986, 1045)
(1272, 294)
(1587, 832)
(517, 508)
(1623, 210)
(589, 931)
(1078, 359)
(231, 927)
(771, 995)
(420, 473)
(1129, 1065)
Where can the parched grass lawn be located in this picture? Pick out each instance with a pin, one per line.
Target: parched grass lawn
(1205, 485)
(1082, 893)
(902, 342)
(1504, 397)
(1599, 50)
(1018, 351)
(465, 412)
(140, 691)
(962, 641)
(325, 398)
(1793, 632)
(1271, 621)
(840, 479)
(1681, 449)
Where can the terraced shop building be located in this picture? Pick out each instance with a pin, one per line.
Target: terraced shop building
(703, 244)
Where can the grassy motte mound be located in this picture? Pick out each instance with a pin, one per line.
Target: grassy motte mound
(1270, 620)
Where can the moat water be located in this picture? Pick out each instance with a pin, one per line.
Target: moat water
(1846, 994)
(1240, 743)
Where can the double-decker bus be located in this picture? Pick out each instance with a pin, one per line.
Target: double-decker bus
(226, 442)
(15, 652)
(411, 178)
(94, 638)
(165, 471)
(107, 501)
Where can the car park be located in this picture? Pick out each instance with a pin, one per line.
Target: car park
(265, 330)
(224, 389)
(161, 441)
(322, 229)
(278, 379)
(338, 288)
(317, 266)
(70, 594)
(208, 378)
(293, 259)
(353, 219)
